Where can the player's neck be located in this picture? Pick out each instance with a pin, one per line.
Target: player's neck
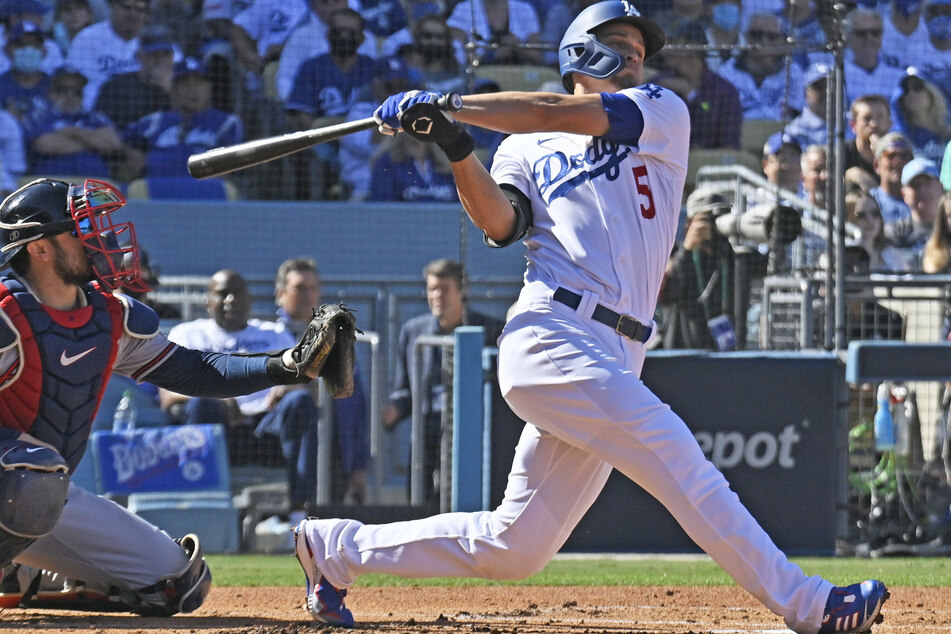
(53, 292)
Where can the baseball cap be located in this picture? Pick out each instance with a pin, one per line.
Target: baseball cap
(892, 141)
(816, 72)
(391, 68)
(777, 140)
(706, 199)
(155, 37)
(188, 66)
(23, 7)
(26, 27)
(917, 167)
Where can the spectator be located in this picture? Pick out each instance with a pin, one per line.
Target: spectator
(258, 33)
(723, 30)
(383, 17)
(183, 21)
(71, 17)
(946, 167)
(811, 125)
(431, 57)
(769, 88)
(37, 12)
(12, 153)
(936, 57)
(24, 87)
(445, 294)
(806, 31)
(697, 294)
(920, 111)
(150, 277)
(127, 97)
(357, 150)
(906, 36)
(680, 14)
(325, 85)
(869, 119)
(815, 172)
(921, 190)
(106, 48)
(311, 39)
(713, 102)
(866, 69)
(407, 170)
(862, 211)
(297, 292)
(401, 42)
(228, 329)
(498, 28)
(936, 257)
(782, 161)
(892, 153)
(64, 138)
(555, 18)
(168, 137)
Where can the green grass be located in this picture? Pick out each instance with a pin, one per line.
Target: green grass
(283, 570)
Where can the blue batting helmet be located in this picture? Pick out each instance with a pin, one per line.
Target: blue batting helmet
(581, 52)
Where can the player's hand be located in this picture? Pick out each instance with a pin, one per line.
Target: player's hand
(388, 115)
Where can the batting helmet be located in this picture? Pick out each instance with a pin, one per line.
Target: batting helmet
(581, 52)
(46, 207)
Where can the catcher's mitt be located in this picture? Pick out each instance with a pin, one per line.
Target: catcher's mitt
(327, 348)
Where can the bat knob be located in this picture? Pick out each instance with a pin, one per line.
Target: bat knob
(450, 101)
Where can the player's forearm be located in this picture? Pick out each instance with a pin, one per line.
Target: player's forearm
(482, 199)
(521, 112)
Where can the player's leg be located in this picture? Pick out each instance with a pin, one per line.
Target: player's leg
(550, 487)
(578, 388)
(107, 547)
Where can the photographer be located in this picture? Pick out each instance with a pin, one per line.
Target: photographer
(697, 295)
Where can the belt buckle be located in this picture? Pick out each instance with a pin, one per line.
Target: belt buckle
(627, 326)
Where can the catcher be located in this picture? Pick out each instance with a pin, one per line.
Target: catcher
(62, 333)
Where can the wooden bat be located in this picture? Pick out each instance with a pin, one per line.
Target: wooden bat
(223, 160)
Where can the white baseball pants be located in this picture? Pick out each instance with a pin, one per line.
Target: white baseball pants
(577, 384)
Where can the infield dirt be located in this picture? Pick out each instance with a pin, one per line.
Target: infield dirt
(494, 609)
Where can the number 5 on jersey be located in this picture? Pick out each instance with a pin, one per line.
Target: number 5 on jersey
(640, 179)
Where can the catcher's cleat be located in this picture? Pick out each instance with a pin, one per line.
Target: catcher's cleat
(324, 601)
(854, 608)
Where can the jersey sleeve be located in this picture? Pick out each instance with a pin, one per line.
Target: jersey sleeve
(509, 166)
(665, 131)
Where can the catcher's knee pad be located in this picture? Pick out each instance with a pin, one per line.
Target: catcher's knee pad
(33, 485)
(183, 591)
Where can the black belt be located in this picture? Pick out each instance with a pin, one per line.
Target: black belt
(623, 324)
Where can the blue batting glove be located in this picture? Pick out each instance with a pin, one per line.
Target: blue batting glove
(388, 113)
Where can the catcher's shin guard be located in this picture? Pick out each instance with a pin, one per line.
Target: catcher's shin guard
(180, 592)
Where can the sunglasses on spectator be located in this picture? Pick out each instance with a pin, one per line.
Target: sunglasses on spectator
(863, 33)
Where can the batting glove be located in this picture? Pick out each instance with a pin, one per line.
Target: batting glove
(427, 121)
(389, 113)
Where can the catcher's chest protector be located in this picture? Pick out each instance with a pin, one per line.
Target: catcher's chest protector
(66, 359)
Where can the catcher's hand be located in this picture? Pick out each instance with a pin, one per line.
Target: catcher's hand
(327, 349)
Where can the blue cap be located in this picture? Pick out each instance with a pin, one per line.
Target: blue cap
(776, 141)
(26, 27)
(189, 66)
(155, 37)
(817, 71)
(391, 68)
(917, 167)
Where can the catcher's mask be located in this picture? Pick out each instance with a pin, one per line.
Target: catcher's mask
(581, 52)
(47, 207)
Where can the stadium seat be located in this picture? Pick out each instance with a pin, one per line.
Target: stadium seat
(183, 188)
(518, 77)
(754, 132)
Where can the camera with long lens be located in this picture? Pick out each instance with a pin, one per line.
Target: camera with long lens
(759, 224)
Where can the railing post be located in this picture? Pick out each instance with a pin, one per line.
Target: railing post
(467, 440)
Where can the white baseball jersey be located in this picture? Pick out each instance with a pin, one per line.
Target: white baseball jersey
(881, 80)
(257, 336)
(765, 100)
(592, 199)
(98, 52)
(269, 22)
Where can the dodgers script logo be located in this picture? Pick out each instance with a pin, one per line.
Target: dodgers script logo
(557, 174)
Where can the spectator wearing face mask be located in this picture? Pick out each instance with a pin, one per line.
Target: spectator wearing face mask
(23, 88)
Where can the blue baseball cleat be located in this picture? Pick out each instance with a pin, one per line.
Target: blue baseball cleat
(324, 601)
(854, 608)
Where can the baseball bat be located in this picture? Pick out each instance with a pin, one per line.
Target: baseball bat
(224, 160)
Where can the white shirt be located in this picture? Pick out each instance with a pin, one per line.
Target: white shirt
(605, 215)
(309, 39)
(98, 53)
(882, 80)
(904, 50)
(523, 21)
(270, 22)
(257, 336)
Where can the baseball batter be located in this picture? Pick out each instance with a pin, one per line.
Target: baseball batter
(592, 182)
(61, 336)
